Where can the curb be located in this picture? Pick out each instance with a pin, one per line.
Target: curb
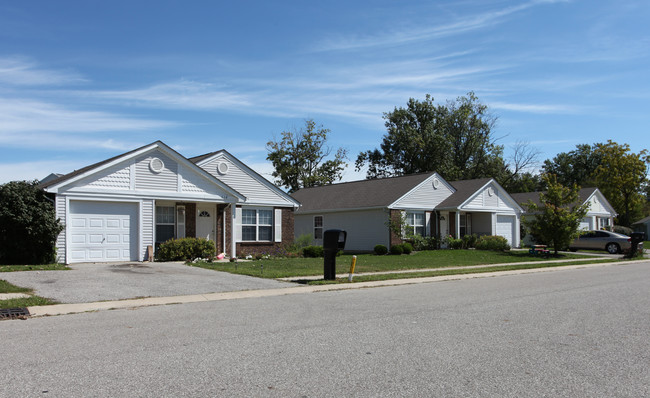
(63, 309)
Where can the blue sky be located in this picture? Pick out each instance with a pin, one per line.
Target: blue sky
(81, 81)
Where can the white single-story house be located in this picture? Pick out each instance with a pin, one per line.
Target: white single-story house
(600, 214)
(117, 209)
(431, 205)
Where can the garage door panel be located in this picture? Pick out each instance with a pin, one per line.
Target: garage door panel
(505, 227)
(103, 231)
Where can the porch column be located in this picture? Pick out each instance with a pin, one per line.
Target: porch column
(457, 234)
(517, 239)
(233, 234)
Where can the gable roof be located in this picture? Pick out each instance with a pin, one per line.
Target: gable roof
(83, 172)
(205, 158)
(464, 190)
(375, 193)
(522, 198)
(642, 221)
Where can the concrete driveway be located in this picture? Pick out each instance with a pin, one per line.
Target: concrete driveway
(86, 283)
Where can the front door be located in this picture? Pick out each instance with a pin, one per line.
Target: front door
(205, 216)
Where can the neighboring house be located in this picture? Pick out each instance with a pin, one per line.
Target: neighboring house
(642, 225)
(431, 206)
(600, 214)
(115, 209)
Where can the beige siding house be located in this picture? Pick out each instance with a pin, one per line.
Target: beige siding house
(431, 206)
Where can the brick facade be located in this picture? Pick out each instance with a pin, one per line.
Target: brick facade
(395, 239)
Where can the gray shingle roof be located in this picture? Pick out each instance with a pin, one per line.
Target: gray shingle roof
(379, 192)
(524, 197)
(464, 189)
(642, 221)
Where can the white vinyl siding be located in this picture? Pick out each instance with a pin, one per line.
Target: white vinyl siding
(147, 227)
(117, 177)
(60, 240)
(165, 180)
(255, 191)
(424, 196)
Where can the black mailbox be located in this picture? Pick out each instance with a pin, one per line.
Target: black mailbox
(333, 241)
(637, 242)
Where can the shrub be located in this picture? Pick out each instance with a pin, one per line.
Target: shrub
(619, 229)
(312, 251)
(407, 248)
(469, 241)
(28, 224)
(492, 242)
(453, 243)
(298, 243)
(396, 250)
(424, 243)
(380, 250)
(185, 249)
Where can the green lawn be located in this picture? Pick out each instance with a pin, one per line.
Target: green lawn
(295, 267)
(424, 274)
(42, 267)
(6, 287)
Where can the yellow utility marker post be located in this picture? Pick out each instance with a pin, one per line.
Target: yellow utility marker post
(354, 262)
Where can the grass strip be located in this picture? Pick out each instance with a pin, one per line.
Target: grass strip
(26, 302)
(6, 287)
(40, 267)
(297, 267)
(424, 274)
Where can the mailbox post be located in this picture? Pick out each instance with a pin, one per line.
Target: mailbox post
(333, 241)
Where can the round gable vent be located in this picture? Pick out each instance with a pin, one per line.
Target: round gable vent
(490, 191)
(222, 168)
(436, 183)
(156, 165)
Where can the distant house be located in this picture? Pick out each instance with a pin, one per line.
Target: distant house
(431, 206)
(600, 214)
(642, 225)
(115, 209)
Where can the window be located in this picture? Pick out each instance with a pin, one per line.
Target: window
(465, 224)
(257, 225)
(164, 223)
(318, 227)
(415, 220)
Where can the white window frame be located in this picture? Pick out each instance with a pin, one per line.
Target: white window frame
(318, 227)
(173, 213)
(257, 224)
(410, 221)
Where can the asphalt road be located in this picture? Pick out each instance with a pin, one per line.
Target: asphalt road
(568, 333)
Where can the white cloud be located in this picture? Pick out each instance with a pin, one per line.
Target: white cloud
(21, 72)
(459, 26)
(24, 115)
(537, 108)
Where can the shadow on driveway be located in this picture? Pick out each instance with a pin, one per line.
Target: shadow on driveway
(86, 283)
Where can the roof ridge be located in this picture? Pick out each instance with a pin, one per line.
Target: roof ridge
(368, 180)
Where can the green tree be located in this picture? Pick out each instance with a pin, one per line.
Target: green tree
(300, 158)
(622, 176)
(574, 167)
(453, 139)
(555, 221)
(28, 225)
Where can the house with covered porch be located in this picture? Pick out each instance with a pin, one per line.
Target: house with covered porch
(120, 208)
(431, 206)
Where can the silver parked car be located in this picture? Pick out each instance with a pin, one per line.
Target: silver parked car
(602, 240)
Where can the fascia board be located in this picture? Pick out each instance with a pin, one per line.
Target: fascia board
(395, 204)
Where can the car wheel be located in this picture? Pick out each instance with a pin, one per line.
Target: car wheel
(612, 248)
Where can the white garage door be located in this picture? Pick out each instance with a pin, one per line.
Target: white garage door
(102, 231)
(506, 227)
